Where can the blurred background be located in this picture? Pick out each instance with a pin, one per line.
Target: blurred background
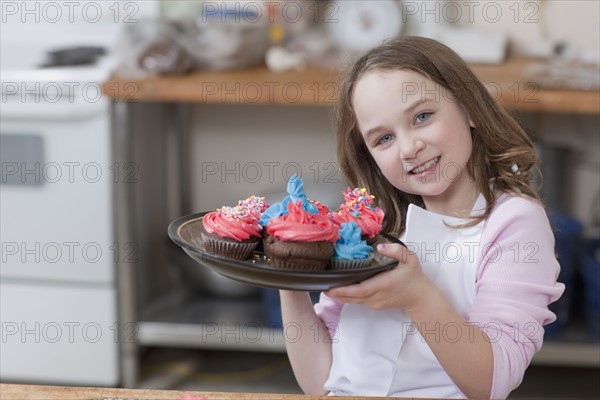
(120, 116)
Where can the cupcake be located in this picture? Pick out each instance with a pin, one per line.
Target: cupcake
(350, 251)
(359, 207)
(295, 189)
(300, 240)
(231, 232)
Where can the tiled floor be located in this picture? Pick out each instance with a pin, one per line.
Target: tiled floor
(195, 370)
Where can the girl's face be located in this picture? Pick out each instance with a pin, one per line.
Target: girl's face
(419, 136)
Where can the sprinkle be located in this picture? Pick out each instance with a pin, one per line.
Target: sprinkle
(254, 206)
(358, 199)
(237, 213)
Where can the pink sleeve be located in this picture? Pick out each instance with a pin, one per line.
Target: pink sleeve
(329, 310)
(516, 280)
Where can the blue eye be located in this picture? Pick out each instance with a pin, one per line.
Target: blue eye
(384, 139)
(422, 117)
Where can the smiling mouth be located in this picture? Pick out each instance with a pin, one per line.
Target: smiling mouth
(425, 166)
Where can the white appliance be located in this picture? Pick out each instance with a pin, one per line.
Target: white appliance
(58, 294)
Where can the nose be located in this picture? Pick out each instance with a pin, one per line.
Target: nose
(411, 147)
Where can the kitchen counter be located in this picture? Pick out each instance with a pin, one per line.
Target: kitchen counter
(34, 392)
(507, 82)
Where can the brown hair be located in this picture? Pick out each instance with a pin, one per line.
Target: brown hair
(499, 143)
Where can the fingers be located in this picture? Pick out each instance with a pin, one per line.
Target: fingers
(350, 293)
(360, 292)
(363, 292)
(395, 250)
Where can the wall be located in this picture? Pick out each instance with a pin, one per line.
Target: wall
(240, 150)
(529, 24)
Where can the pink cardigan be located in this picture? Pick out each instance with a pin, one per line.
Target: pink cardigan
(516, 281)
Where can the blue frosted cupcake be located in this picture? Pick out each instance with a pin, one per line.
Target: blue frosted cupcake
(350, 251)
(295, 189)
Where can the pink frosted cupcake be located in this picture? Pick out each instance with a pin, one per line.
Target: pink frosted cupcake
(300, 240)
(231, 232)
(359, 207)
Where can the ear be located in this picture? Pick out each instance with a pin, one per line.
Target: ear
(471, 123)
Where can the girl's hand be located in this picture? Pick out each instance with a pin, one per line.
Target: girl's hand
(401, 287)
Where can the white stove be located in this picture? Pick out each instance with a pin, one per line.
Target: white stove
(58, 316)
(61, 92)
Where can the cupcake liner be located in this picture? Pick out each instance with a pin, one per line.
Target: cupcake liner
(354, 263)
(229, 248)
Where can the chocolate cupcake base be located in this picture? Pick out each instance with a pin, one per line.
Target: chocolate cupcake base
(370, 240)
(308, 256)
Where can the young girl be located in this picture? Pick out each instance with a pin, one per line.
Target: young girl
(461, 315)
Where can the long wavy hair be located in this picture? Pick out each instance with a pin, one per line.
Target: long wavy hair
(502, 152)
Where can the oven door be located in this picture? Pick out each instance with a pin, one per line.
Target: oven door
(56, 200)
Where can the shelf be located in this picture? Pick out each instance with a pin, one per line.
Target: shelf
(183, 320)
(568, 354)
(571, 346)
(506, 83)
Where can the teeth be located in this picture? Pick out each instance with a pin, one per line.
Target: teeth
(425, 166)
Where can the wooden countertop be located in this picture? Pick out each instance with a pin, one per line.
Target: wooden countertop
(506, 82)
(34, 392)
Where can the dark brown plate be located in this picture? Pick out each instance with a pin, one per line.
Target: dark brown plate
(257, 271)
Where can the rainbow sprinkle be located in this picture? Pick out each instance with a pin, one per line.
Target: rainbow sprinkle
(237, 213)
(357, 200)
(254, 205)
(250, 208)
